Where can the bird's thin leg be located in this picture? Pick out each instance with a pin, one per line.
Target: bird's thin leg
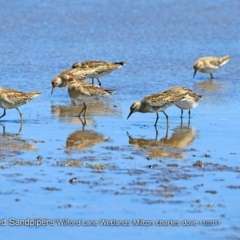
(166, 136)
(156, 119)
(99, 83)
(79, 115)
(156, 133)
(181, 113)
(92, 80)
(20, 115)
(83, 122)
(211, 76)
(4, 113)
(189, 113)
(188, 122)
(83, 110)
(166, 117)
(20, 129)
(181, 122)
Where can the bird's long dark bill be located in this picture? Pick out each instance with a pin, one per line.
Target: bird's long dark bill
(52, 90)
(194, 73)
(130, 114)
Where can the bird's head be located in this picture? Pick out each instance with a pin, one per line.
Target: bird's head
(196, 67)
(134, 108)
(55, 83)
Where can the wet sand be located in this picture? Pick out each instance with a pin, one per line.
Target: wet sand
(113, 168)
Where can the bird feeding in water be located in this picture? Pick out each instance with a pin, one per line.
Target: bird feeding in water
(209, 64)
(78, 73)
(157, 102)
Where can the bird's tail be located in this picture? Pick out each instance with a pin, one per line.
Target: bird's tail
(109, 91)
(33, 94)
(120, 63)
(199, 97)
(224, 60)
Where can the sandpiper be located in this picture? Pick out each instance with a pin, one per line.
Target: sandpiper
(78, 73)
(78, 90)
(104, 68)
(189, 100)
(10, 98)
(209, 64)
(157, 103)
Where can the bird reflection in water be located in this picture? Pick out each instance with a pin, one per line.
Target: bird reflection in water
(172, 147)
(69, 113)
(19, 130)
(83, 139)
(12, 142)
(94, 108)
(213, 91)
(209, 86)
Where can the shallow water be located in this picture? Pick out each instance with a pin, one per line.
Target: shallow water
(118, 169)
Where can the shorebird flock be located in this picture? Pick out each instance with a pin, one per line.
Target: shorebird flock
(73, 79)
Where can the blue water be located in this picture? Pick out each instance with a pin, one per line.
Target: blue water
(160, 41)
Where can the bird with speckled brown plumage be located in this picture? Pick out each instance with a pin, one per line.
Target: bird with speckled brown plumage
(10, 98)
(209, 64)
(104, 68)
(78, 90)
(158, 102)
(78, 73)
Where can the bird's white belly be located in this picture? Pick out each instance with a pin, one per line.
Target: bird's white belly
(80, 97)
(7, 105)
(101, 74)
(207, 70)
(153, 109)
(186, 103)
